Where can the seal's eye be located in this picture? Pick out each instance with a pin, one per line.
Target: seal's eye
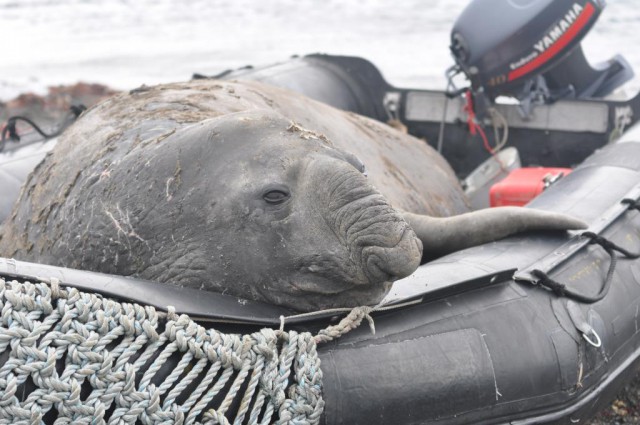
(276, 196)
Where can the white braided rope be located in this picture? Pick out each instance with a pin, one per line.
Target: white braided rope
(80, 358)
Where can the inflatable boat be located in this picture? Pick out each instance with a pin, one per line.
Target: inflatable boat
(535, 328)
(474, 337)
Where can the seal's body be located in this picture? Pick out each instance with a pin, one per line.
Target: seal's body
(238, 188)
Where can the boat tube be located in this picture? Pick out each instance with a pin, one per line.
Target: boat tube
(473, 337)
(559, 134)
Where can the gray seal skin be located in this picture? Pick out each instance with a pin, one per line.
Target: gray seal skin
(231, 187)
(246, 204)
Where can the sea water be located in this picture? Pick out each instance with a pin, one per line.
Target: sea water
(127, 43)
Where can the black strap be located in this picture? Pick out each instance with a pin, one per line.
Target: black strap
(561, 289)
(9, 131)
(77, 110)
(609, 246)
(633, 204)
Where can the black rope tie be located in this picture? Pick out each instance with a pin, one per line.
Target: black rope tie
(77, 110)
(561, 289)
(632, 204)
(9, 131)
(544, 280)
(609, 246)
(10, 128)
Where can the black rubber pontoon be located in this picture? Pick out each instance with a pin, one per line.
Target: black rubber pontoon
(561, 134)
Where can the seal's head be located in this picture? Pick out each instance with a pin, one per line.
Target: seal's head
(252, 205)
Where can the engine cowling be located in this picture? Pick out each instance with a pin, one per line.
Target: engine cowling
(503, 46)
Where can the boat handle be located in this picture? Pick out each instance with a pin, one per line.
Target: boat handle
(597, 343)
(581, 324)
(567, 250)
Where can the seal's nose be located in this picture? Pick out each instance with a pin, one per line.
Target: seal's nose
(385, 264)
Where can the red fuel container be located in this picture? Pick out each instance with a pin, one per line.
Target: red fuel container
(524, 184)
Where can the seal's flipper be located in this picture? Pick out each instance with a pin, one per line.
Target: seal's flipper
(441, 236)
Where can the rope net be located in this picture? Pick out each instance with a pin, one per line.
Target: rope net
(72, 357)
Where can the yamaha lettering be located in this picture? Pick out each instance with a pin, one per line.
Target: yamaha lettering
(557, 39)
(551, 37)
(557, 31)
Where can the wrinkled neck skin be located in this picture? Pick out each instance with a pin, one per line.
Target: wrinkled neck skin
(349, 244)
(441, 236)
(335, 243)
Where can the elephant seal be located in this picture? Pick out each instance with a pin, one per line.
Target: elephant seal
(213, 186)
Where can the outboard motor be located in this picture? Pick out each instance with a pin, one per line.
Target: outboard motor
(530, 50)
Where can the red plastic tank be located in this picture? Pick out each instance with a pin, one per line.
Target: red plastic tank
(523, 184)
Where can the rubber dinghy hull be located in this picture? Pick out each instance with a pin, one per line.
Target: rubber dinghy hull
(461, 341)
(483, 348)
(569, 130)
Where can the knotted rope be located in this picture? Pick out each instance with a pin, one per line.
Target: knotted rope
(74, 357)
